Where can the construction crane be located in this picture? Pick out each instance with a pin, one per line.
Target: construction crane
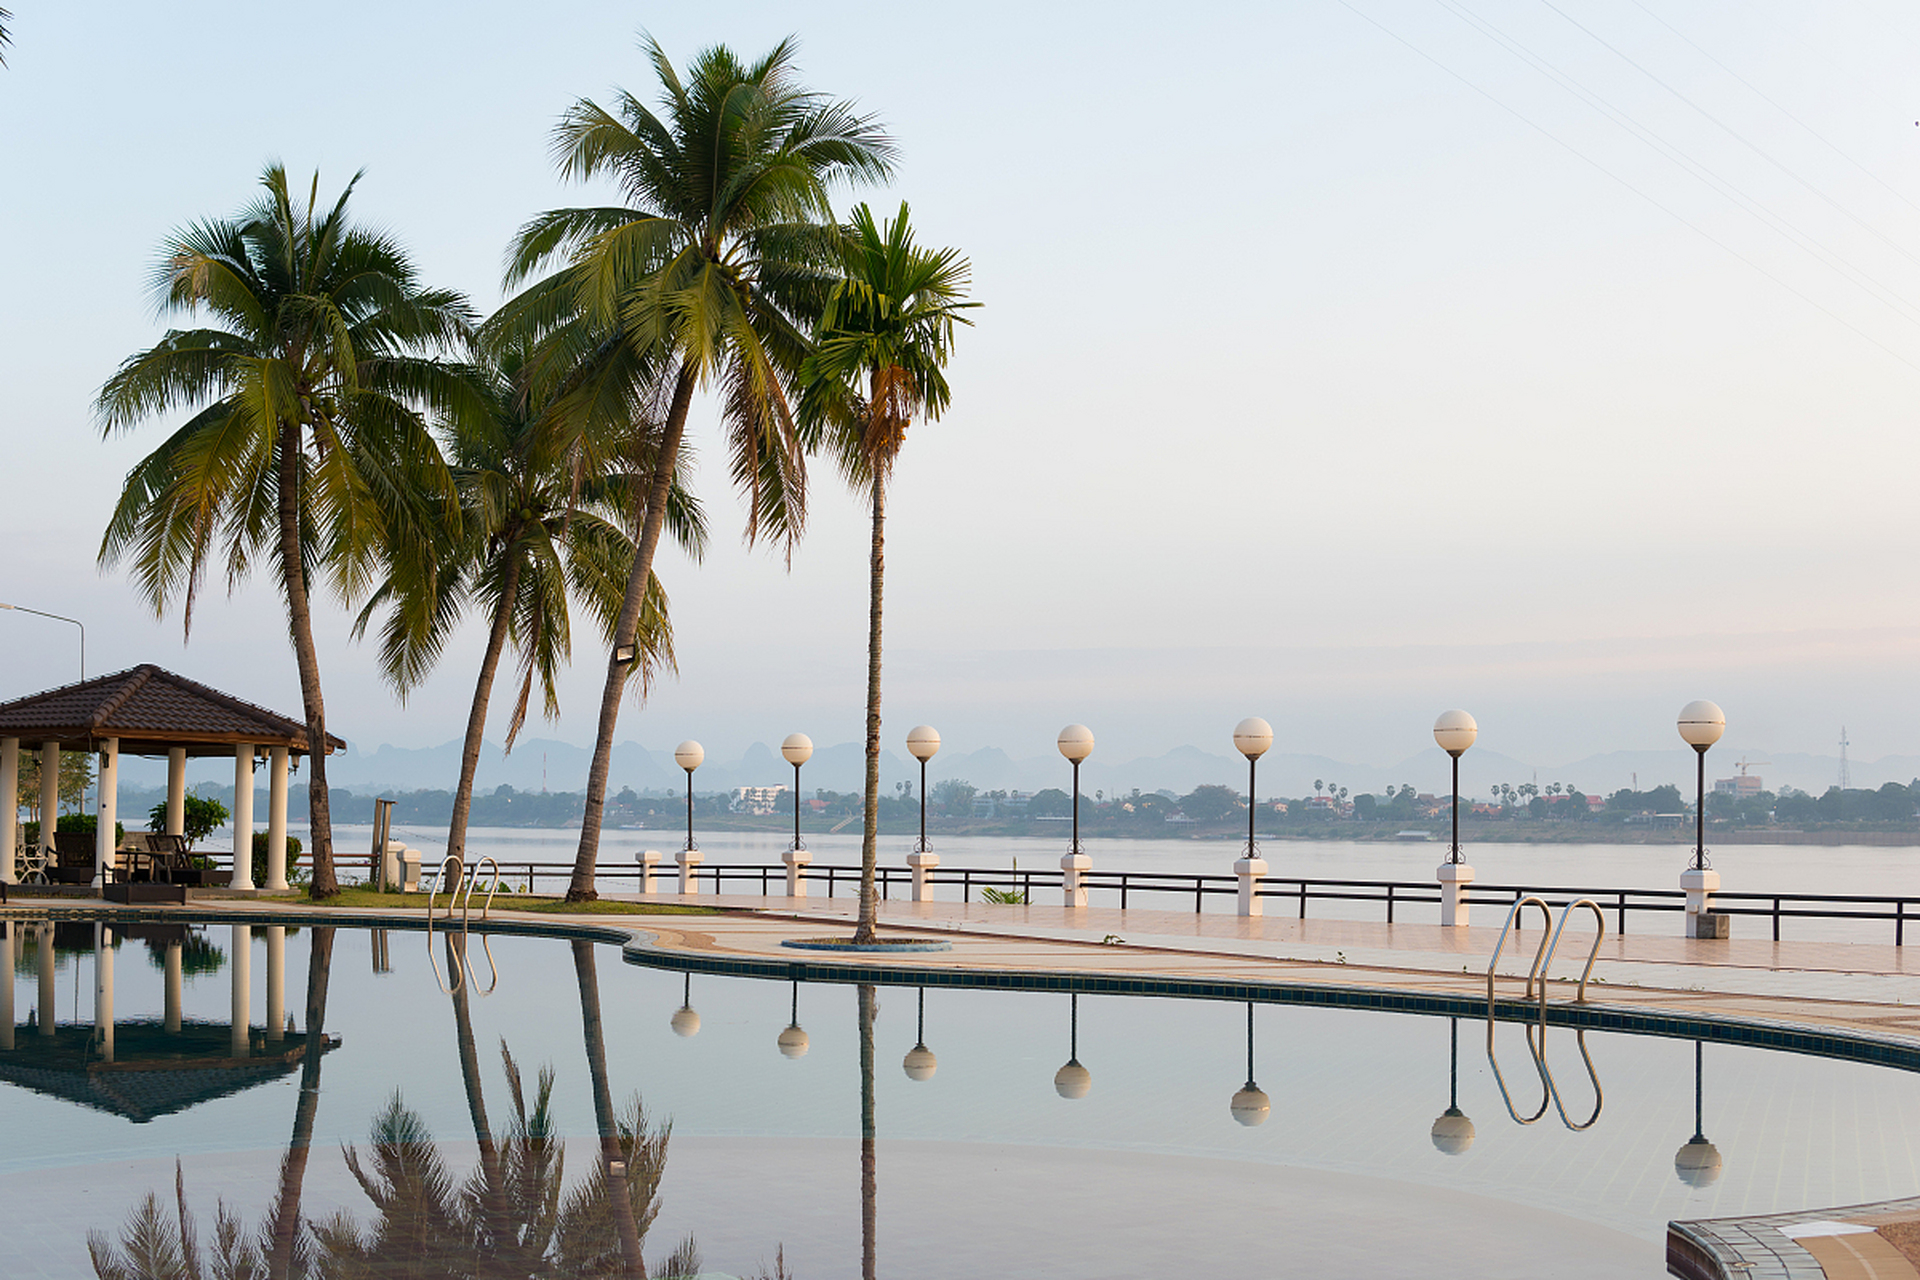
(1744, 765)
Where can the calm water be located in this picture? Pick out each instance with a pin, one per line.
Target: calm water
(982, 1169)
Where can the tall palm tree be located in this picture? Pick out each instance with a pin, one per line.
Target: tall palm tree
(879, 362)
(304, 441)
(710, 275)
(547, 498)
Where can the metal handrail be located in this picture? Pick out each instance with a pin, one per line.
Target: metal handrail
(472, 879)
(1546, 930)
(1599, 936)
(433, 887)
(1546, 1090)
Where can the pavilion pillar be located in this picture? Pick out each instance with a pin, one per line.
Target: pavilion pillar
(276, 982)
(103, 991)
(9, 808)
(240, 966)
(105, 843)
(276, 826)
(176, 791)
(43, 955)
(175, 982)
(242, 815)
(49, 796)
(9, 944)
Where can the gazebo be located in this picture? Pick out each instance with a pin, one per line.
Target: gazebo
(149, 711)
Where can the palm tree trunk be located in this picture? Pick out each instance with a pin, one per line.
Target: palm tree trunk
(300, 624)
(499, 1227)
(285, 1225)
(870, 836)
(618, 1198)
(477, 715)
(869, 1164)
(581, 889)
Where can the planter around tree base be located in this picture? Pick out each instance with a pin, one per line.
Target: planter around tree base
(848, 944)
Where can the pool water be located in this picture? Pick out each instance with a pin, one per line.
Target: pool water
(981, 1167)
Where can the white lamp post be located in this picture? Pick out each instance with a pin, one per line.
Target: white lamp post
(1697, 1163)
(1250, 1105)
(1076, 744)
(1252, 736)
(686, 1020)
(920, 1064)
(1452, 1132)
(798, 749)
(689, 755)
(1073, 1080)
(793, 1041)
(1455, 731)
(1701, 724)
(923, 742)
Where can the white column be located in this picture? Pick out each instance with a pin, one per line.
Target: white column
(1699, 887)
(796, 860)
(241, 962)
(9, 944)
(1071, 865)
(103, 991)
(920, 864)
(277, 821)
(1454, 877)
(104, 843)
(49, 795)
(176, 791)
(276, 982)
(648, 860)
(9, 808)
(174, 984)
(689, 860)
(43, 951)
(243, 816)
(1249, 870)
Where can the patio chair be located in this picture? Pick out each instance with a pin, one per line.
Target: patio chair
(29, 861)
(168, 856)
(73, 857)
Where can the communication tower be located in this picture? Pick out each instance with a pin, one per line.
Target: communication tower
(1846, 780)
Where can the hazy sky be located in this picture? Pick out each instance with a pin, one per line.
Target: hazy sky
(1341, 362)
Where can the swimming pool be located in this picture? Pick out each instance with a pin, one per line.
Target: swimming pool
(978, 1162)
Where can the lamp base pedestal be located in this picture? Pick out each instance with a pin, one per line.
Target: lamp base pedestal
(1249, 871)
(1699, 886)
(689, 860)
(1454, 877)
(1071, 866)
(920, 864)
(648, 860)
(796, 860)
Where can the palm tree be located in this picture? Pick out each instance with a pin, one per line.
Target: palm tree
(710, 276)
(878, 363)
(305, 444)
(547, 499)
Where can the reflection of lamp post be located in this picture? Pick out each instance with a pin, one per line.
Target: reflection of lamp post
(1701, 724)
(922, 743)
(686, 1022)
(798, 749)
(920, 1063)
(1073, 1080)
(1452, 1132)
(1252, 736)
(1076, 744)
(793, 1041)
(1250, 1105)
(1455, 731)
(689, 755)
(1697, 1163)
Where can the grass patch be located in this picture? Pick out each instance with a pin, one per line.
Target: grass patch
(360, 896)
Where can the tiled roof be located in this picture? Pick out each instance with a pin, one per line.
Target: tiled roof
(149, 709)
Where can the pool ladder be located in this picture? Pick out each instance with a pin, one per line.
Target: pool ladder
(1550, 935)
(462, 894)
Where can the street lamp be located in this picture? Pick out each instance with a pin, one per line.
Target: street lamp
(1073, 1080)
(1455, 731)
(793, 1041)
(689, 755)
(1076, 744)
(1697, 1163)
(920, 1064)
(1250, 1106)
(20, 608)
(1253, 736)
(798, 749)
(686, 1021)
(1701, 724)
(922, 743)
(1452, 1132)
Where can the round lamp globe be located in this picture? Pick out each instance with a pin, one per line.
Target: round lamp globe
(689, 755)
(798, 748)
(1076, 742)
(1252, 737)
(1455, 731)
(1702, 723)
(923, 742)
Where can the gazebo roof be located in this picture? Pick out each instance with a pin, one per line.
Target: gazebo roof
(149, 710)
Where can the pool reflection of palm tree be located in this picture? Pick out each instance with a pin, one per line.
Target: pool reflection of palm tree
(869, 1170)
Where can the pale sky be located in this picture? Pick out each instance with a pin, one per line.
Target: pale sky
(1340, 362)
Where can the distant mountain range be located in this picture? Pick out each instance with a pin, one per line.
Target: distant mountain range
(562, 766)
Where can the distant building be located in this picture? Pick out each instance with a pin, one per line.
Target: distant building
(759, 801)
(1747, 784)
(994, 804)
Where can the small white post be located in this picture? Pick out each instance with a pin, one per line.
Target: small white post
(103, 991)
(796, 860)
(648, 860)
(1454, 878)
(1249, 871)
(176, 791)
(9, 939)
(1071, 865)
(921, 863)
(9, 813)
(175, 983)
(689, 860)
(242, 817)
(277, 824)
(105, 843)
(276, 982)
(49, 797)
(240, 965)
(43, 952)
(1699, 887)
